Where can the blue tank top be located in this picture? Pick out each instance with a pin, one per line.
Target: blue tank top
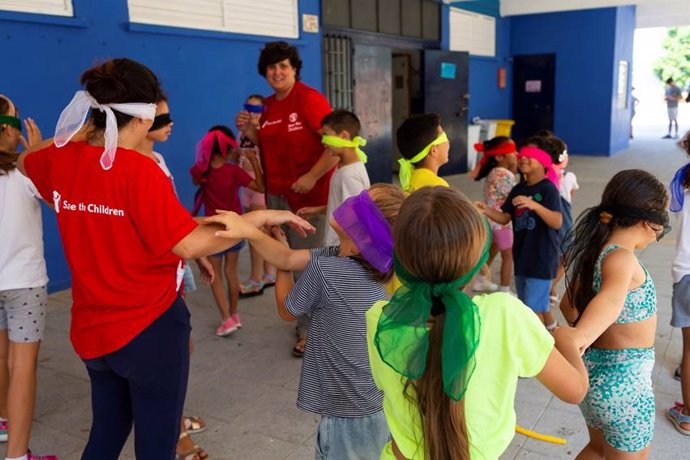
(640, 303)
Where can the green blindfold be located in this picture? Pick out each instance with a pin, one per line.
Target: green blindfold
(407, 166)
(402, 333)
(339, 142)
(12, 121)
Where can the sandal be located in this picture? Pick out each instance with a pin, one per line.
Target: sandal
(298, 349)
(676, 416)
(191, 451)
(269, 280)
(251, 289)
(193, 424)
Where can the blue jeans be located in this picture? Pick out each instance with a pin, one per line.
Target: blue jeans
(144, 382)
(353, 438)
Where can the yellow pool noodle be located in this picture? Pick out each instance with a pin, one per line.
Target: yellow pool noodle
(539, 436)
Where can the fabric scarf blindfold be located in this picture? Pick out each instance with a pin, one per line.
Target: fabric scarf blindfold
(402, 334)
(339, 142)
(160, 121)
(74, 115)
(545, 160)
(11, 121)
(254, 108)
(501, 149)
(407, 166)
(368, 229)
(677, 189)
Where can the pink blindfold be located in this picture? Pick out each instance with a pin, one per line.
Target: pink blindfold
(544, 158)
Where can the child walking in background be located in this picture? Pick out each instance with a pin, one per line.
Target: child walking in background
(679, 414)
(220, 180)
(611, 300)
(534, 207)
(23, 280)
(448, 365)
(338, 285)
(424, 148)
(498, 166)
(340, 136)
(262, 274)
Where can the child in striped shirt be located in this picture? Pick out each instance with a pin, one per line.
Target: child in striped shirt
(338, 285)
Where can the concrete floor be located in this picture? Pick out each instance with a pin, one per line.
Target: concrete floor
(245, 385)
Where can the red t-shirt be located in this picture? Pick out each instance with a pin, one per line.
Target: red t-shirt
(118, 228)
(221, 190)
(291, 144)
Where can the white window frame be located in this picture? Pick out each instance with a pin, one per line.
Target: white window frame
(272, 18)
(472, 32)
(49, 7)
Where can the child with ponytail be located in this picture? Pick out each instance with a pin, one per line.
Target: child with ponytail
(449, 364)
(611, 300)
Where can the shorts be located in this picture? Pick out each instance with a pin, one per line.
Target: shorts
(503, 237)
(236, 248)
(251, 199)
(680, 303)
(23, 313)
(188, 279)
(672, 113)
(620, 400)
(346, 438)
(534, 292)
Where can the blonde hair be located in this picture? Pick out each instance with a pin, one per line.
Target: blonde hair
(439, 236)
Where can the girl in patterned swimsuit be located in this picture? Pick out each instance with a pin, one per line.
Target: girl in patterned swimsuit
(611, 300)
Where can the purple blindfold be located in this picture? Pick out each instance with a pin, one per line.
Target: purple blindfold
(368, 228)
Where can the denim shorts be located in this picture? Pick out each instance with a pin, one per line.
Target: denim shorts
(350, 438)
(534, 292)
(680, 303)
(236, 248)
(23, 313)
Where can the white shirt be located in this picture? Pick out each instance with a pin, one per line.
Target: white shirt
(347, 181)
(568, 186)
(22, 264)
(681, 263)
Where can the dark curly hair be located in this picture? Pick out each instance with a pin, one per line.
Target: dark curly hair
(275, 52)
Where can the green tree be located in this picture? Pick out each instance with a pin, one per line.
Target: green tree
(675, 63)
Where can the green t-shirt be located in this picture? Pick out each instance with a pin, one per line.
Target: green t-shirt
(513, 343)
(422, 177)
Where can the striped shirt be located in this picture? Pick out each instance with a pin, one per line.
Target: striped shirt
(336, 378)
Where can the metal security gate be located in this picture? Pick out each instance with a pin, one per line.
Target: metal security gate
(337, 72)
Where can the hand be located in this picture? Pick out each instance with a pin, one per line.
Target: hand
(480, 205)
(568, 337)
(243, 120)
(279, 235)
(304, 184)
(277, 218)
(235, 226)
(308, 212)
(33, 134)
(250, 154)
(205, 270)
(522, 201)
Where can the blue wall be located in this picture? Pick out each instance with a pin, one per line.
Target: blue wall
(584, 43)
(207, 75)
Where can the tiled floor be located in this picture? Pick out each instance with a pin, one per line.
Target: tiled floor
(245, 385)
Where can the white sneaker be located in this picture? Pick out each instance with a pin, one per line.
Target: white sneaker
(483, 285)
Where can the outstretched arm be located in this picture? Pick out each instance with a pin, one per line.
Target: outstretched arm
(564, 373)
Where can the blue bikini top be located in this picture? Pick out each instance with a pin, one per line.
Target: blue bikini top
(640, 303)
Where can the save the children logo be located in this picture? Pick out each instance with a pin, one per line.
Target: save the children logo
(61, 204)
(294, 123)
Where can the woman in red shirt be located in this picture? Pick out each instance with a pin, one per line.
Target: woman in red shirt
(125, 235)
(297, 173)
